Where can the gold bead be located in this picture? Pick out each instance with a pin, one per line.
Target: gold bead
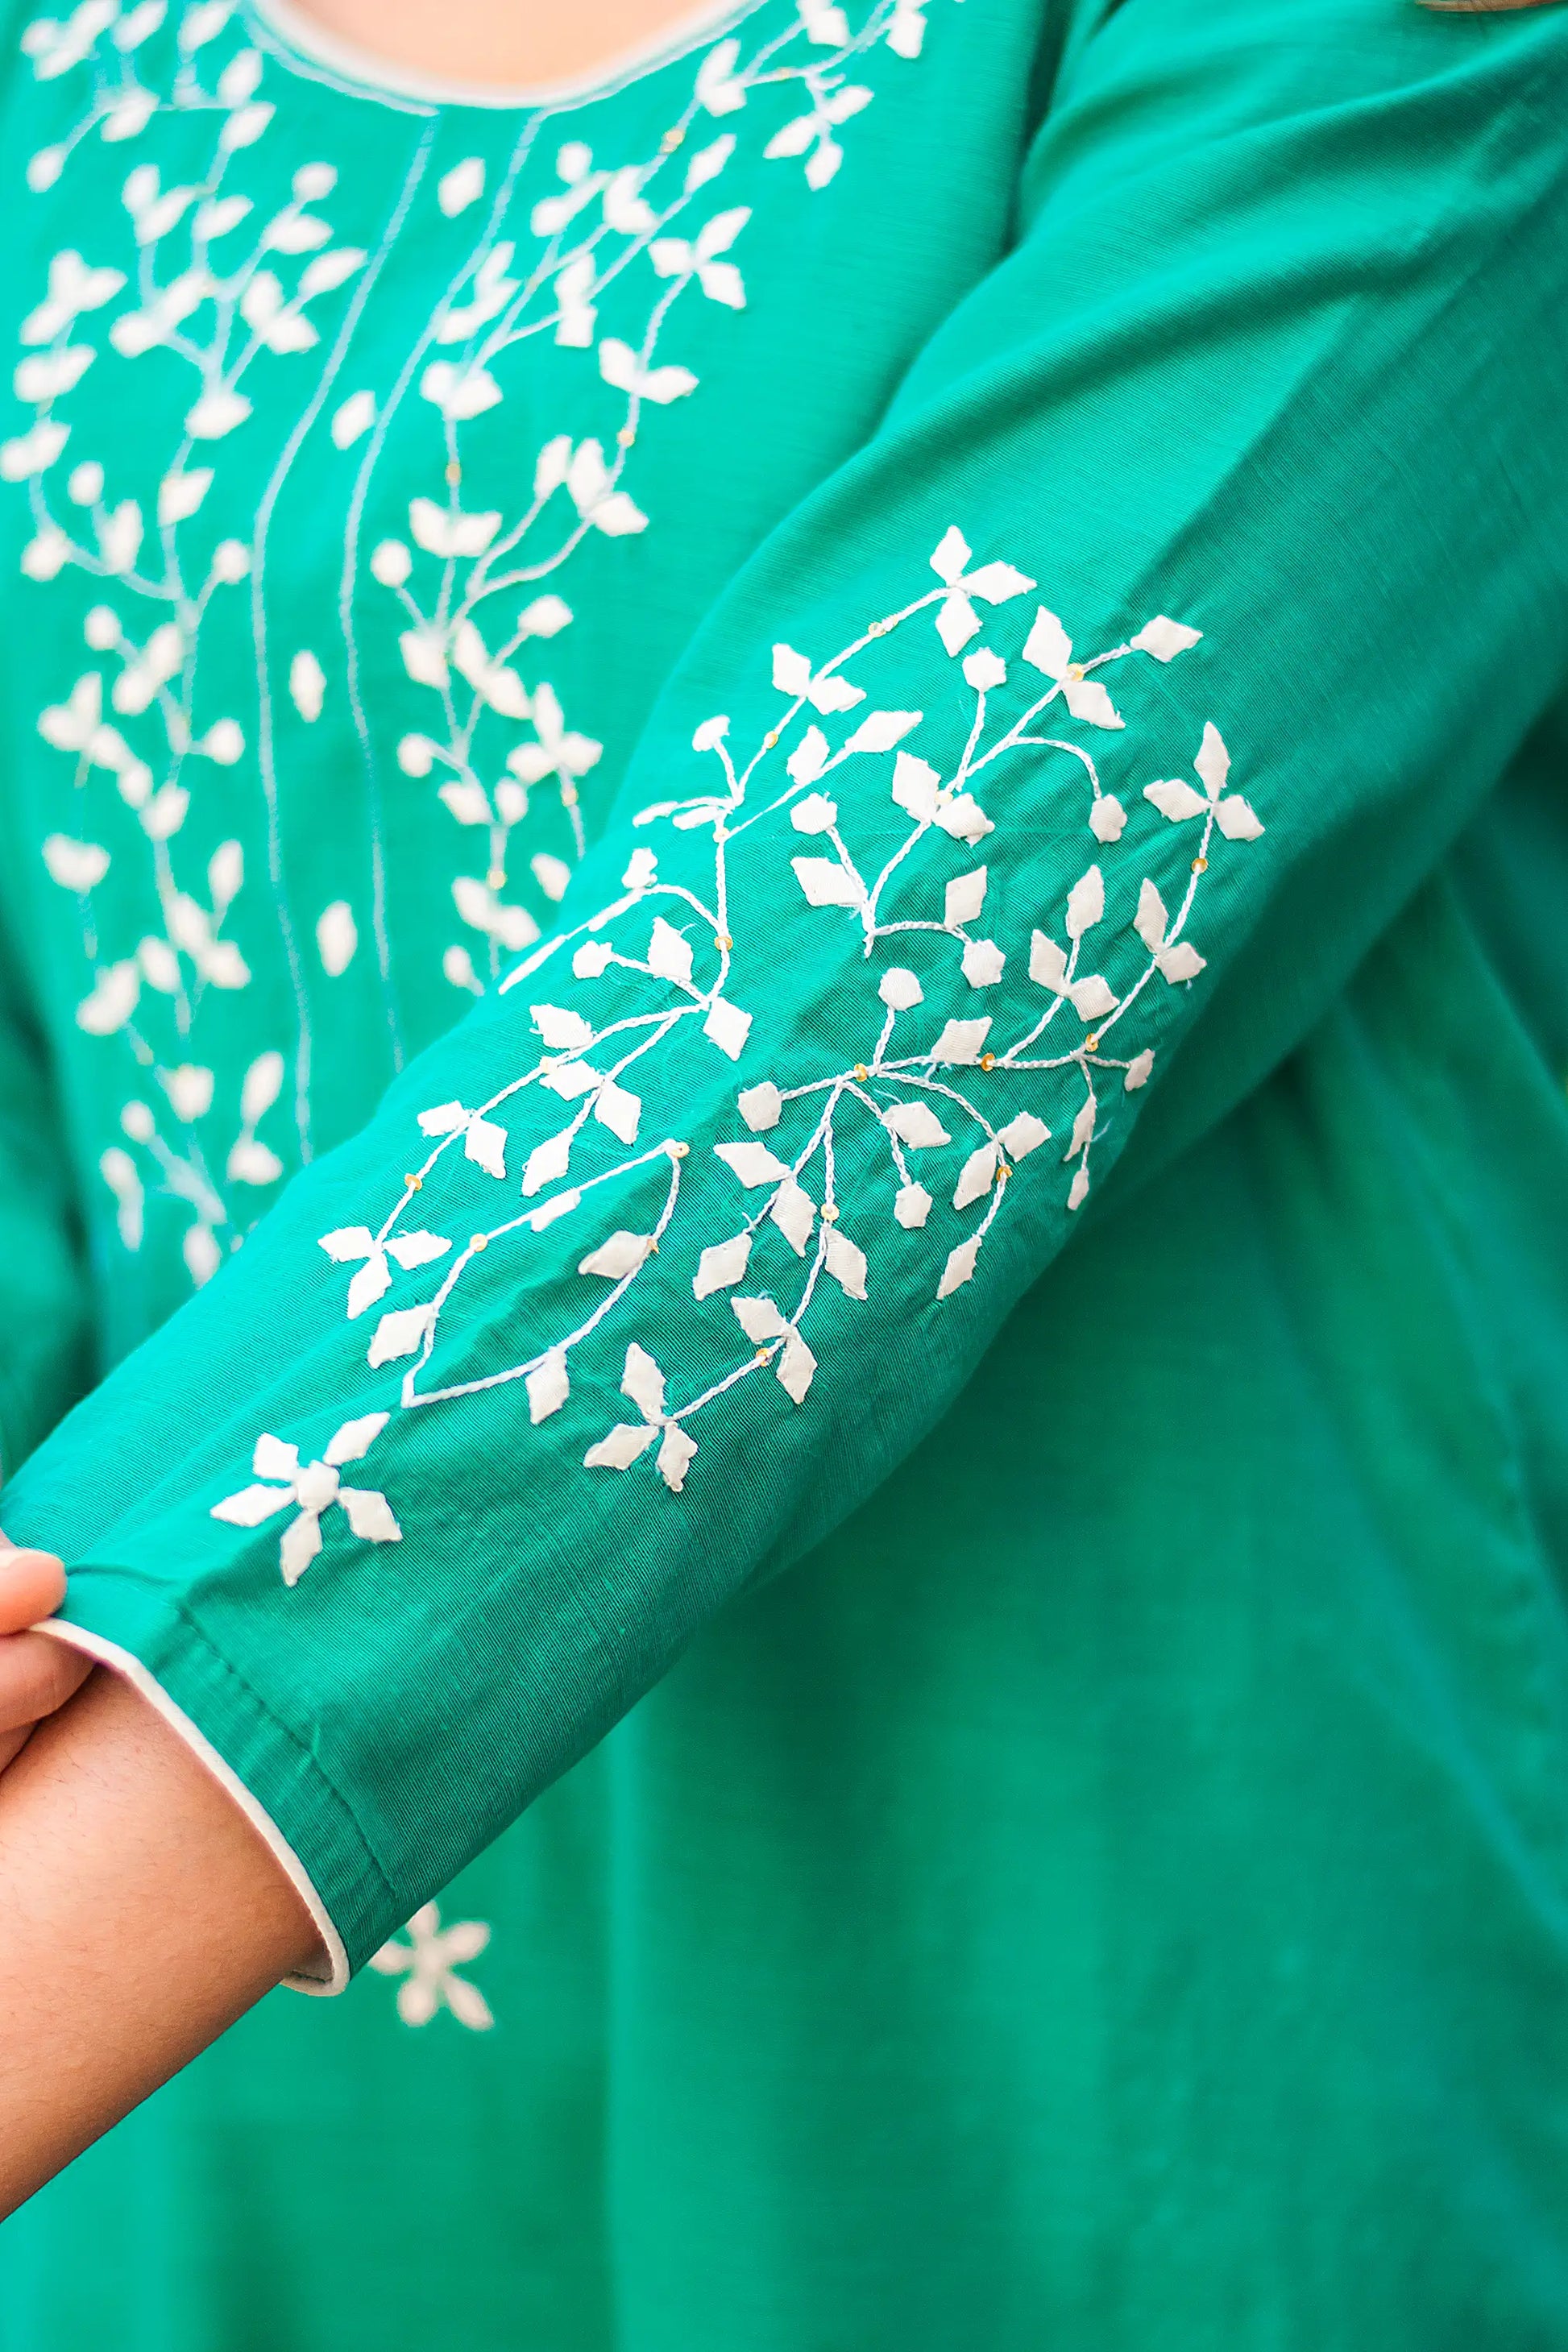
(769, 742)
(627, 436)
(723, 942)
(652, 1249)
(1091, 1045)
(672, 141)
(829, 1214)
(413, 1182)
(1002, 1173)
(861, 1072)
(496, 878)
(1200, 865)
(454, 473)
(988, 1061)
(679, 1151)
(478, 1241)
(568, 795)
(764, 1354)
(878, 629)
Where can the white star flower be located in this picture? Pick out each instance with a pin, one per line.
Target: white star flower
(312, 1490)
(957, 620)
(429, 1962)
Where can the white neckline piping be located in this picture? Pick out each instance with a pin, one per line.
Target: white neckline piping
(309, 43)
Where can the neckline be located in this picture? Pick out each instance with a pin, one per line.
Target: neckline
(306, 43)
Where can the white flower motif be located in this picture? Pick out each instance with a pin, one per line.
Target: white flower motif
(357, 1246)
(429, 1962)
(1049, 649)
(994, 583)
(1235, 817)
(591, 486)
(698, 258)
(621, 368)
(811, 134)
(644, 1382)
(459, 393)
(826, 689)
(55, 48)
(74, 288)
(312, 1490)
(557, 752)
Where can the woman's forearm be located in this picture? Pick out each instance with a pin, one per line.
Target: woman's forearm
(140, 1914)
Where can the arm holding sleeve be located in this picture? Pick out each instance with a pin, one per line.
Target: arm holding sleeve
(1196, 589)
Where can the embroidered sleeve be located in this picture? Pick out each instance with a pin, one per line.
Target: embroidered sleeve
(1062, 755)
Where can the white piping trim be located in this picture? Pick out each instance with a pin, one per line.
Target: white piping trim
(376, 76)
(109, 1654)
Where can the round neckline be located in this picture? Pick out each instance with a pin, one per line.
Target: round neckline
(306, 42)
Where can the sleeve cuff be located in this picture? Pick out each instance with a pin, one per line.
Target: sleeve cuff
(334, 1977)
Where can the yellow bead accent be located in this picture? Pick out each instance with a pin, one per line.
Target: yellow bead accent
(1091, 1045)
(454, 473)
(829, 1215)
(723, 942)
(496, 878)
(1200, 865)
(770, 741)
(627, 436)
(568, 795)
(679, 1151)
(413, 1182)
(478, 1241)
(861, 1072)
(988, 1061)
(672, 141)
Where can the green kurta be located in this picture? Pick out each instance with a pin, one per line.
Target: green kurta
(823, 788)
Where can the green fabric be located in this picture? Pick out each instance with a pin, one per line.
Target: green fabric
(1112, 1891)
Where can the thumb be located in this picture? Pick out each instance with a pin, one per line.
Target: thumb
(32, 1586)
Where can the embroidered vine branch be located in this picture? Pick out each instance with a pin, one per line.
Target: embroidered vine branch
(923, 1066)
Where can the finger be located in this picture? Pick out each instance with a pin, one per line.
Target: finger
(32, 1586)
(12, 1744)
(37, 1675)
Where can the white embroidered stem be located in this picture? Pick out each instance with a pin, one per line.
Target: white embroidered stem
(907, 1093)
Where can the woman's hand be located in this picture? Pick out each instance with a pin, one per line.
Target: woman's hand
(139, 1912)
(37, 1674)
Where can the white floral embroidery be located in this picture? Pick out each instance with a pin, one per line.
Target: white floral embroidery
(217, 314)
(429, 1962)
(930, 1079)
(230, 296)
(312, 1489)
